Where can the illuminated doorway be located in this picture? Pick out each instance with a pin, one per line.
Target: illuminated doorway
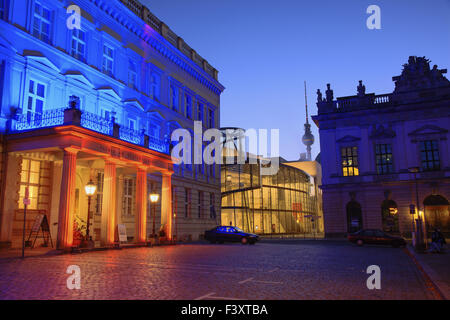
(389, 215)
(437, 214)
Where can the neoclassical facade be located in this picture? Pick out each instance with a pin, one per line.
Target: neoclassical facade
(380, 154)
(99, 104)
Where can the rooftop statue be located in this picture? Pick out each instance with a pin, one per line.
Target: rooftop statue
(319, 96)
(416, 74)
(361, 89)
(329, 93)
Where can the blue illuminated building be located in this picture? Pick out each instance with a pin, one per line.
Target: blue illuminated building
(122, 82)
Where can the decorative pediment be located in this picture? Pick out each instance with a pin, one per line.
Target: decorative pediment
(109, 91)
(39, 57)
(173, 124)
(134, 103)
(348, 138)
(155, 115)
(382, 132)
(428, 129)
(417, 74)
(76, 75)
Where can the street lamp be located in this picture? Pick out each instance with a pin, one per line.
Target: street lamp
(90, 189)
(419, 231)
(154, 197)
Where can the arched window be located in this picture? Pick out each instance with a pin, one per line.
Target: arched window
(389, 216)
(437, 213)
(354, 217)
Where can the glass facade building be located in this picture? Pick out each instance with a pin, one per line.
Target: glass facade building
(287, 203)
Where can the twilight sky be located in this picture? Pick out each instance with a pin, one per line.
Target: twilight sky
(265, 49)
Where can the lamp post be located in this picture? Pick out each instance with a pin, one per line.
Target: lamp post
(420, 245)
(154, 197)
(90, 189)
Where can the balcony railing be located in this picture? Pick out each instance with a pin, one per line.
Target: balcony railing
(355, 102)
(48, 118)
(73, 116)
(158, 145)
(96, 123)
(131, 135)
(382, 98)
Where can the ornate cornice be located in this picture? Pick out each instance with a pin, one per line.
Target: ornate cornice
(159, 44)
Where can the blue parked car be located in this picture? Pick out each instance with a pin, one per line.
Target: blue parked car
(230, 234)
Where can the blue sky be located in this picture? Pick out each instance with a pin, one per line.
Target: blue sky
(264, 50)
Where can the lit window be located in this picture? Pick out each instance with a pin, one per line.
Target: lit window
(132, 75)
(155, 89)
(429, 153)
(128, 196)
(188, 101)
(36, 98)
(41, 22)
(108, 60)
(383, 155)
(78, 47)
(349, 156)
(29, 178)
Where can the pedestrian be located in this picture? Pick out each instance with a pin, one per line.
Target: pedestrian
(437, 241)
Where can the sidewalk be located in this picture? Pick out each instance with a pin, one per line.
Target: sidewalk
(17, 253)
(436, 266)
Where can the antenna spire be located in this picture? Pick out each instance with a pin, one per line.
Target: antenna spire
(308, 137)
(306, 105)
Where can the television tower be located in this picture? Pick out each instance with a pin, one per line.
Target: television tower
(308, 137)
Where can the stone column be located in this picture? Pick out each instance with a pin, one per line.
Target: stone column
(108, 221)
(141, 206)
(10, 198)
(67, 200)
(119, 196)
(166, 204)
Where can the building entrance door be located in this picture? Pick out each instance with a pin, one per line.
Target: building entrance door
(354, 217)
(437, 214)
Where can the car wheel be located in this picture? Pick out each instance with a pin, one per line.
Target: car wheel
(244, 240)
(360, 242)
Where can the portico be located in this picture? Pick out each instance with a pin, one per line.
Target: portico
(75, 154)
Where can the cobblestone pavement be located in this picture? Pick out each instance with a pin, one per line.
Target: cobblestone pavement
(302, 270)
(436, 267)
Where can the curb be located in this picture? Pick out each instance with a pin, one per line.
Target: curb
(424, 270)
